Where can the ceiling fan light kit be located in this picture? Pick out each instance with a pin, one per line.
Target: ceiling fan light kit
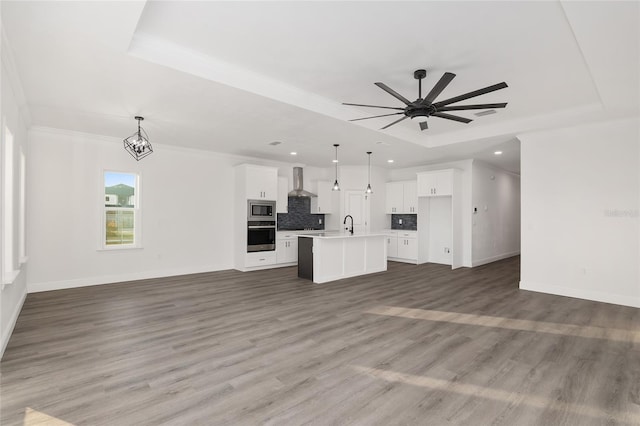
(426, 107)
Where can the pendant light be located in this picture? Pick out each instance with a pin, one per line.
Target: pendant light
(336, 187)
(138, 144)
(369, 190)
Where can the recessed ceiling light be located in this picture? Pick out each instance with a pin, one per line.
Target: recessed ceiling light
(389, 161)
(498, 153)
(293, 153)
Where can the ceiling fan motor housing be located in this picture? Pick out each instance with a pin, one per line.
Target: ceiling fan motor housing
(417, 110)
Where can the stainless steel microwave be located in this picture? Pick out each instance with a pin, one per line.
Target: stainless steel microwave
(261, 210)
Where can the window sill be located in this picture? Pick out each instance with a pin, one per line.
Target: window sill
(24, 260)
(120, 248)
(9, 277)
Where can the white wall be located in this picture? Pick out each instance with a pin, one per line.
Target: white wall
(465, 168)
(355, 178)
(496, 225)
(580, 208)
(12, 295)
(440, 229)
(188, 232)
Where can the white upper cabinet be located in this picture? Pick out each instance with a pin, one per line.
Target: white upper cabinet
(436, 183)
(261, 182)
(323, 203)
(395, 197)
(401, 198)
(410, 197)
(282, 203)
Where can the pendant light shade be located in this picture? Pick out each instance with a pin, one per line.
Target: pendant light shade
(369, 190)
(336, 187)
(138, 144)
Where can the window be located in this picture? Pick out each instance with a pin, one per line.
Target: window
(121, 210)
(23, 209)
(9, 273)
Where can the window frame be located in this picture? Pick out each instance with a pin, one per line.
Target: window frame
(137, 214)
(9, 270)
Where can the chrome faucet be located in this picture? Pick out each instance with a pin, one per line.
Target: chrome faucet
(345, 222)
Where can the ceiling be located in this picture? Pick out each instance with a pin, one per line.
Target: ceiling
(233, 77)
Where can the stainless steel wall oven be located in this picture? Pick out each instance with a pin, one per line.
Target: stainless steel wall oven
(261, 236)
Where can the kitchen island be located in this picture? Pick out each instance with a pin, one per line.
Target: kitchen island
(335, 255)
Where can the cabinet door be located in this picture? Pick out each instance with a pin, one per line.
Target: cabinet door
(392, 246)
(410, 199)
(293, 250)
(426, 184)
(287, 250)
(407, 248)
(395, 197)
(281, 251)
(262, 183)
(282, 204)
(444, 183)
(436, 183)
(322, 204)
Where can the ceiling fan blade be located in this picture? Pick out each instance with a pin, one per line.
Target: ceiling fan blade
(397, 121)
(438, 88)
(373, 106)
(424, 125)
(376, 116)
(471, 94)
(451, 117)
(479, 106)
(393, 93)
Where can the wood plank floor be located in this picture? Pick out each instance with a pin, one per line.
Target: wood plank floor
(415, 345)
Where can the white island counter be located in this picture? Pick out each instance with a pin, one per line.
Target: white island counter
(332, 256)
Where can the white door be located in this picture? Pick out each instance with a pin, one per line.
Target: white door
(356, 204)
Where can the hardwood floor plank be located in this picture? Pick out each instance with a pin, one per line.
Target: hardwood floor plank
(419, 344)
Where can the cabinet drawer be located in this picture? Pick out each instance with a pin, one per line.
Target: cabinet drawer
(260, 258)
(410, 234)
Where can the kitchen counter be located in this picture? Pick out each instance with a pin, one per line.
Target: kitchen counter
(339, 234)
(332, 256)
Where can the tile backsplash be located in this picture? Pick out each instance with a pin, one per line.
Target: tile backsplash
(409, 222)
(299, 216)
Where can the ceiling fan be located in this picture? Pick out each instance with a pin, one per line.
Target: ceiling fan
(425, 107)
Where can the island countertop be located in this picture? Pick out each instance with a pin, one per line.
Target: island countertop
(339, 234)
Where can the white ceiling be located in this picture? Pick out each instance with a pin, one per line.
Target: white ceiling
(234, 76)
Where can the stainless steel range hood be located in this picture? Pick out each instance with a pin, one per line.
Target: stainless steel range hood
(297, 185)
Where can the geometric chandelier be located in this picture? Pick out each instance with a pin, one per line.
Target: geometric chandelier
(138, 143)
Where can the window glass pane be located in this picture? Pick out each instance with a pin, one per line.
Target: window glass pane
(119, 227)
(119, 189)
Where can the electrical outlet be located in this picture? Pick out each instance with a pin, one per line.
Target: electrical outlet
(447, 250)
(399, 221)
(319, 221)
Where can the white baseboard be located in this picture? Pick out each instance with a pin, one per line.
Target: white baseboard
(109, 279)
(403, 260)
(6, 333)
(494, 258)
(597, 296)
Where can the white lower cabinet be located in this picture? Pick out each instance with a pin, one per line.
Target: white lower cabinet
(287, 250)
(260, 258)
(402, 246)
(392, 245)
(408, 248)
